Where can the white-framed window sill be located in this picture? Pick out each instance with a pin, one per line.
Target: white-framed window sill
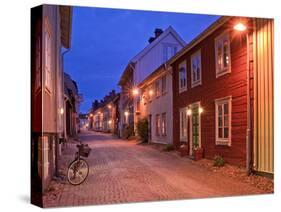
(182, 89)
(195, 84)
(222, 72)
(223, 142)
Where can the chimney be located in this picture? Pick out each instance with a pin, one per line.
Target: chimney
(151, 39)
(158, 32)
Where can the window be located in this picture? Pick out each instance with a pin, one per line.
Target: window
(164, 125)
(222, 50)
(196, 69)
(223, 121)
(183, 124)
(47, 38)
(169, 51)
(164, 84)
(182, 77)
(157, 88)
(157, 125)
(38, 63)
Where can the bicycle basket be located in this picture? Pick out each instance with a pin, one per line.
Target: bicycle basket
(84, 150)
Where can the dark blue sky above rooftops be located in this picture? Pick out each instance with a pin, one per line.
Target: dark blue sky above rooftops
(104, 40)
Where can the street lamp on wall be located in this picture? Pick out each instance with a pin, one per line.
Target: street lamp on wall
(240, 27)
(135, 92)
(61, 111)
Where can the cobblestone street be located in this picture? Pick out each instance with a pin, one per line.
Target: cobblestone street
(124, 171)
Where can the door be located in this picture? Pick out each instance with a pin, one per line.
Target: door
(195, 127)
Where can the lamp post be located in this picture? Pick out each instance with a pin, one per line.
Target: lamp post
(241, 27)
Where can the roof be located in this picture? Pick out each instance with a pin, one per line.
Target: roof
(199, 38)
(129, 67)
(70, 85)
(66, 26)
(171, 30)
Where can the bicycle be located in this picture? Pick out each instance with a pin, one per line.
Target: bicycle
(78, 169)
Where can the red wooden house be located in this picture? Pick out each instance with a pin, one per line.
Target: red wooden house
(220, 93)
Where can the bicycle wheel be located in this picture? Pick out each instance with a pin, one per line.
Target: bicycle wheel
(77, 172)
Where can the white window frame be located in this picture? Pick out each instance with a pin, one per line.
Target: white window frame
(157, 88)
(183, 111)
(158, 125)
(166, 46)
(219, 40)
(182, 65)
(192, 57)
(48, 55)
(223, 141)
(164, 79)
(164, 125)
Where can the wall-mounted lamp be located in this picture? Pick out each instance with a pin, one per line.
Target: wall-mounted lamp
(240, 27)
(200, 110)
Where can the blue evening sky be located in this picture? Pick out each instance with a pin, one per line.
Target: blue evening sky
(104, 40)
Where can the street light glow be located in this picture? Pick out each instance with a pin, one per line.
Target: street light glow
(240, 27)
(61, 111)
(200, 110)
(126, 113)
(109, 106)
(188, 112)
(135, 91)
(150, 92)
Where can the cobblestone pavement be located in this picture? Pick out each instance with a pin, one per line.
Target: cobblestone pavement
(124, 171)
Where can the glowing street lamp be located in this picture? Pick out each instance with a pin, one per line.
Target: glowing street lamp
(126, 113)
(91, 115)
(109, 106)
(135, 92)
(109, 122)
(61, 111)
(200, 110)
(150, 92)
(189, 112)
(240, 27)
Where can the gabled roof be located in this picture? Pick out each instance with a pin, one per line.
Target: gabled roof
(169, 30)
(130, 66)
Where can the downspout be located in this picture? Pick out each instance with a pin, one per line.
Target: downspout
(249, 118)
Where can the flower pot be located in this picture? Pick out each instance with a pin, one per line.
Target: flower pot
(198, 154)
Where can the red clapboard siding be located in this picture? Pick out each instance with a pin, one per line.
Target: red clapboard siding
(233, 84)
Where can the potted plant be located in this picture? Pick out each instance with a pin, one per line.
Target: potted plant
(183, 150)
(198, 152)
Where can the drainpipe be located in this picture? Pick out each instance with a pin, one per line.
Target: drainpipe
(249, 118)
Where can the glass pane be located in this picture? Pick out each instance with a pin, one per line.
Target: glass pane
(225, 108)
(220, 121)
(220, 109)
(219, 56)
(226, 120)
(220, 132)
(226, 132)
(225, 53)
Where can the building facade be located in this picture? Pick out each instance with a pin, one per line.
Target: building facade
(51, 31)
(155, 105)
(72, 100)
(161, 47)
(218, 96)
(104, 116)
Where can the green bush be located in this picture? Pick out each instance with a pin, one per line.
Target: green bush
(168, 147)
(142, 130)
(218, 161)
(128, 131)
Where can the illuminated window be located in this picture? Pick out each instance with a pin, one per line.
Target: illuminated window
(183, 124)
(157, 125)
(164, 125)
(222, 50)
